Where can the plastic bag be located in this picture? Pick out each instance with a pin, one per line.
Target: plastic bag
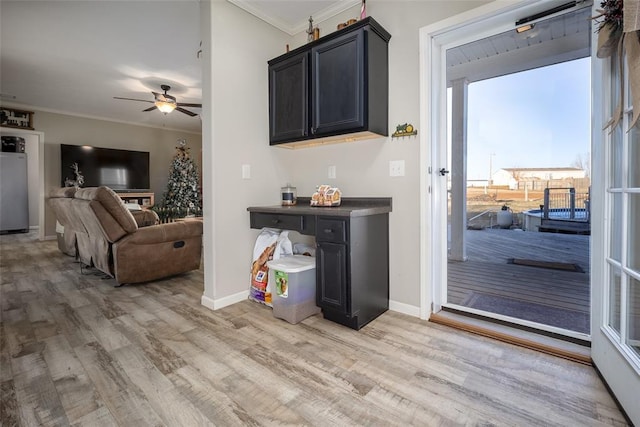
(270, 244)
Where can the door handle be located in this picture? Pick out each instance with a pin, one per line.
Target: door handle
(443, 172)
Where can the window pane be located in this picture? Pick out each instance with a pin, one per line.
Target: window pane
(634, 156)
(633, 253)
(616, 227)
(615, 85)
(614, 299)
(616, 157)
(633, 316)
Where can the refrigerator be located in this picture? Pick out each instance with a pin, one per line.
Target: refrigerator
(14, 201)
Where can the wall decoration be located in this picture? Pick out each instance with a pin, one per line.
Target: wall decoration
(310, 30)
(12, 118)
(79, 178)
(406, 129)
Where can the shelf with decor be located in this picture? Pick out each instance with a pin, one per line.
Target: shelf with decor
(146, 200)
(17, 119)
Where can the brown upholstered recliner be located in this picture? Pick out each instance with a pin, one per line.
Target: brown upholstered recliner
(71, 225)
(60, 202)
(117, 246)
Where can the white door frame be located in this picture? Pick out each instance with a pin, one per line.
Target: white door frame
(609, 356)
(434, 39)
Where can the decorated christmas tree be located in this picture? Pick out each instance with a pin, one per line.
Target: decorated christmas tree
(182, 196)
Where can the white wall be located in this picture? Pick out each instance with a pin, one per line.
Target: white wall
(242, 45)
(64, 129)
(235, 132)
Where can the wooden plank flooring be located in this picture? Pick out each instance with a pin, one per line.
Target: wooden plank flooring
(488, 272)
(74, 350)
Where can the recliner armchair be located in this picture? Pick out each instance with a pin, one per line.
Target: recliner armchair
(60, 201)
(114, 243)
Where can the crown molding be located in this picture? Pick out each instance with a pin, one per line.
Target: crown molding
(87, 116)
(293, 29)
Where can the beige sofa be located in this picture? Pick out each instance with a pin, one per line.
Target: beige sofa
(110, 238)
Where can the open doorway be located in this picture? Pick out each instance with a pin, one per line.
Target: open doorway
(519, 184)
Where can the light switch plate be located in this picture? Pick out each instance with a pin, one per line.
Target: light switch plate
(331, 172)
(396, 168)
(246, 171)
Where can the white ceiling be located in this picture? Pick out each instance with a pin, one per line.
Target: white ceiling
(552, 40)
(73, 57)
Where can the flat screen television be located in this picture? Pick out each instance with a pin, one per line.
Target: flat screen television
(116, 169)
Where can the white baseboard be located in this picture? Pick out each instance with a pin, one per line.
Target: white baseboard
(403, 308)
(216, 304)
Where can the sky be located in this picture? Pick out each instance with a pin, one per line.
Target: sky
(537, 118)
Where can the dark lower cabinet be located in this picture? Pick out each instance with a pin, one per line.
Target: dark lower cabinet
(331, 277)
(352, 268)
(352, 259)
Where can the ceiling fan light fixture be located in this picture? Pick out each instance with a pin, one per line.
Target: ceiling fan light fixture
(165, 107)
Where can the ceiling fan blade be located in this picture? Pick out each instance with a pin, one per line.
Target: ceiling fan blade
(187, 112)
(132, 99)
(185, 104)
(150, 109)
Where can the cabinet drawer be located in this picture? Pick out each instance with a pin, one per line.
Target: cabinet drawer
(284, 222)
(331, 230)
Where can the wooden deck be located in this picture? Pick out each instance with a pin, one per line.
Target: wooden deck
(487, 271)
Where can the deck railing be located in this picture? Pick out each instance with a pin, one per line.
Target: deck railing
(563, 201)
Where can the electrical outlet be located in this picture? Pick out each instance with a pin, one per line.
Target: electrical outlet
(396, 168)
(332, 172)
(246, 171)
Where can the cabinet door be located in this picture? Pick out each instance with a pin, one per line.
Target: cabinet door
(289, 99)
(338, 86)
(331, 289)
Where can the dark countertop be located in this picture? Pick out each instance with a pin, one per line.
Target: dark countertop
(350, 207)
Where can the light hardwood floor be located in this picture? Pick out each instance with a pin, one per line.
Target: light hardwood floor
(74, 350)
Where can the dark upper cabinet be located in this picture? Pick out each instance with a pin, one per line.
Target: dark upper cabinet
(345, 89)
(289, 98)
(337, 101)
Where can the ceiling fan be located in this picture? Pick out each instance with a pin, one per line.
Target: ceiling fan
(165, 102)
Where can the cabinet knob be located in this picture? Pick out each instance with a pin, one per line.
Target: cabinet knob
(328, 230)
(275, 221)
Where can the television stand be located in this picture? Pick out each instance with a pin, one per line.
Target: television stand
(146, 200)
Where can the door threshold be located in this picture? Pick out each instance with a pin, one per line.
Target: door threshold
(571, 349)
